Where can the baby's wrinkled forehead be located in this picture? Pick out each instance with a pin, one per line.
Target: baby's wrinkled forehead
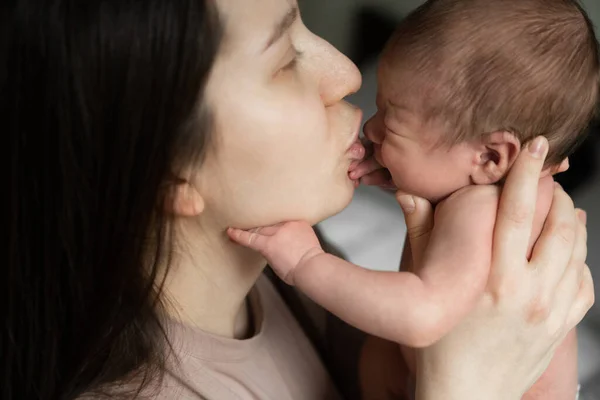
(523, 66)
(407, 88)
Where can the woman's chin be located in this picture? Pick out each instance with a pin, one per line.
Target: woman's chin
(336, 203)
(312, 206)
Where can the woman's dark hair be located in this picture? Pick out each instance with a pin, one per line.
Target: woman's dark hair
(101, 101)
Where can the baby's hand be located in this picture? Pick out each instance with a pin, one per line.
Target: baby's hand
(370, 172)
(285, 246)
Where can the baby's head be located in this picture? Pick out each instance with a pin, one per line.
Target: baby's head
(463, 84)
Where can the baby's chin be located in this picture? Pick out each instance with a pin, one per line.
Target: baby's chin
(432, 196)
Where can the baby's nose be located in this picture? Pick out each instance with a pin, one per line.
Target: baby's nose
(373, 131)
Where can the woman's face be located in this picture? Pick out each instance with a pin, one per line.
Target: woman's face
(281, 129)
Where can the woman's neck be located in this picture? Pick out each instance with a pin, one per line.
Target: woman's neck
(209, 281)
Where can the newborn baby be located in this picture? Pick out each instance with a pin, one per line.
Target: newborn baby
(462, 86)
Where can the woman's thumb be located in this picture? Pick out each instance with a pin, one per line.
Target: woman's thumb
(418, 215)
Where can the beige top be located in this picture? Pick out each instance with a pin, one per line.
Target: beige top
(278, 363)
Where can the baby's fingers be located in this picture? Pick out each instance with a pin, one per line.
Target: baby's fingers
(418, 215)
(365, 168)
(253, 239)
(380, 178)
(267, 230)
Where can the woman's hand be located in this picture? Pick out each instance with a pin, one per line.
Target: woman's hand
(507, 342)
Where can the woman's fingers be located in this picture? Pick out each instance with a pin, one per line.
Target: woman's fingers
(580, 250)
(553, 250)
(418, 215)
(584, 300)
(565, 296)
(572, 293)
(517, 208)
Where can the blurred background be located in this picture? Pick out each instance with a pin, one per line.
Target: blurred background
(371, 230)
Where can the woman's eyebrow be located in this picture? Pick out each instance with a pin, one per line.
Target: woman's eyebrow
(281, 27)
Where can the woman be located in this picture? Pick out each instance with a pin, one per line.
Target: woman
(140, 131)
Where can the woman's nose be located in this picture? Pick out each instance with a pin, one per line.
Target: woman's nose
(339, 77)
(373, 131)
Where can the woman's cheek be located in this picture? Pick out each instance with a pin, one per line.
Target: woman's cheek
(303, 119)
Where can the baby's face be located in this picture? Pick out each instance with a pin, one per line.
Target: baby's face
(410, 149)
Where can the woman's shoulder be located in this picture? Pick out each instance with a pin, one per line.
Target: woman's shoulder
(167, 389)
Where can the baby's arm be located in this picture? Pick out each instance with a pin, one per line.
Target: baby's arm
(560, 380)
(400, 306)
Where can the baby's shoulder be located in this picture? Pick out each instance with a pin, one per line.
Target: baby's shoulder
(473, 197)
(472, 205)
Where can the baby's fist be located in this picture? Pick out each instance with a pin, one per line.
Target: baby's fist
(285, 246)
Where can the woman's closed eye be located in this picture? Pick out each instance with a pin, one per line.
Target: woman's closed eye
(291, 65)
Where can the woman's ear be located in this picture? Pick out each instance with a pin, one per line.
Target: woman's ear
(494, 155)
(184, 200)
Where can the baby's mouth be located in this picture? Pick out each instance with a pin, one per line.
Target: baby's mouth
(377, 154)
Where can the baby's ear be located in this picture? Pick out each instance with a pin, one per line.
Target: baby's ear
(494, 154)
